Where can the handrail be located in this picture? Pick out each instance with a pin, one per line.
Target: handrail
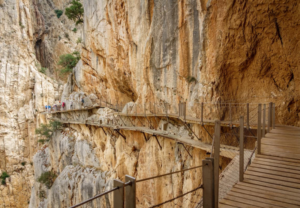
(99, 195)
(180, 171)
(95, 197)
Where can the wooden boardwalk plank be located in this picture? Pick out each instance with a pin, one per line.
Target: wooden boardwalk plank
(225, 206)
(278, 158)
(278, 162)
(273, 191)
(236, 204)
(267, 167)
(252, 200)
(274, 172)
(275, 165)
(252, 180)
(266, 195)
(279, 178)
(272, 181)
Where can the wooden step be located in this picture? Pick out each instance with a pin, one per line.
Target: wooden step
(261, 162)
(273, 172)
(272, 181)
(272, 168)
(236, 203)
(267, 196)
(253, 180)
(277, 158)
(273, 191)
(271, 161)
(256, 200)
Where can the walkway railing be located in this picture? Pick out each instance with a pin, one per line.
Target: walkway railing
(124, 194)
(238, 135)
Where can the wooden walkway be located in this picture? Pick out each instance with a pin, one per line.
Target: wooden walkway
(273, 178)
(225, 150)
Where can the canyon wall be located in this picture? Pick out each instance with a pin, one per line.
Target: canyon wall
(136, 51)
(27, 33)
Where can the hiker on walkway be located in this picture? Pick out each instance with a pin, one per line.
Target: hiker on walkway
(49, 108)
(82, 102)
(63, 105)
(71, 105)
(46, 106)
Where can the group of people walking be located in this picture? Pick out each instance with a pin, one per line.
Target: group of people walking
(61, 106)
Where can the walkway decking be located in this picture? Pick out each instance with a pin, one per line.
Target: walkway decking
(273, 179)
(225, 150)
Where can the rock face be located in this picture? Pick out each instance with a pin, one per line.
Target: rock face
(88, 159)
(26, 45)
(161, 51)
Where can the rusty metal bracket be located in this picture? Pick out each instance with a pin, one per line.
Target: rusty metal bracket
(118, 131)
(103, 130)
(207, 132)
(157, 141)
(185, 149)
(122, 120)
(145, 136)
(189, 128)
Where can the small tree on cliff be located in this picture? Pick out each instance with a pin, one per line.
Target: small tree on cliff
(68, 62)
(75, 12)
(47, 130)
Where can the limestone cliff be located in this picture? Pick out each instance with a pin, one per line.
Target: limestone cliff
(161, 51)
(24, 90)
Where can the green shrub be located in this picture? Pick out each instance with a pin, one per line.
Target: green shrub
(42, 195)
(47, 178)
(68, 62)
(43, 70)
(74, 30)
(75, 12)
(23, 163)
(79, 40)
(3, 176)
(58, 13)
(67, 36)
(191, 79)
(47, 130)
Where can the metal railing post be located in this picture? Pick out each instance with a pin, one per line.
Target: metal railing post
(179, 110)
(202, 113)
(259, 130)
(184, 111)
(241, 149)
(273, 116)
(269, 117)
(216, 162)
(248, 115)
(130, 192)
(264, 121)
(230, 116)
(208, 182)
(118, 194)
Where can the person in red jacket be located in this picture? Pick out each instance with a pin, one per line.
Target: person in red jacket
(63, 105)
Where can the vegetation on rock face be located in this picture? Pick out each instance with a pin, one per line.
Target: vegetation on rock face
(58, 13)
(68, 62)
(191, 79)
(74, 30)
(75, 12)
(47, 178)
(47, 130)
(23, 163)
(79, 40)
(3, 176)
(43, 70)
